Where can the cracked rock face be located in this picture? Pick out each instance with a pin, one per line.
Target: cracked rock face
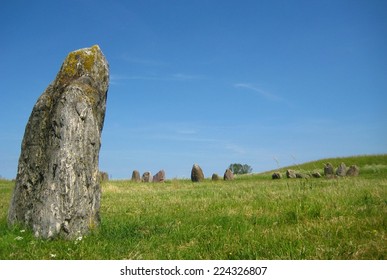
(57, 190)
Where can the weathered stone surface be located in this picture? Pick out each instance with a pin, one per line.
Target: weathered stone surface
(147, 177)
(341, 170)
(136, 176)
(291, 174)
(228, 175)
(276, 175)
(159, 177)
(57, 190)
(354, 170)
(316, 174)
(328, 169)
(302, 175)
(196, 173)
(215, 177)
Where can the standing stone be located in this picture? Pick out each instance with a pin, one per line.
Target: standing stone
(328, 170)
(196, 173)
(136, 176)
(291, 174)
(159, 177)
(146, 177)
(215, 177)
(57, 190)
(103, 176)
(228, 175)
(276, 175)
(353, 171)
(341, 170)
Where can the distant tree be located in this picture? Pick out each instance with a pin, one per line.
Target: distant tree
(238, 168)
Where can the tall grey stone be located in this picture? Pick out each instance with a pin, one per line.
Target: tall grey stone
(341, 170)
(147, 177)
(57, 190)
(228, 175)
(196, 173)
(353, 171)
(159, 177)
(328, 169)
(136, 176)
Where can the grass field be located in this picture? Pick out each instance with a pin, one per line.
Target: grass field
(252, 217)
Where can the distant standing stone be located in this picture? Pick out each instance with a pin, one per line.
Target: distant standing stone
(276, 175)
(341, 170)
(57, 190)
(291, 174)
(147, 177)
(197, 173)
(159, 177)
(215, 177)
(136, 176)
(228, 175)
(328, 169)
(353, 171)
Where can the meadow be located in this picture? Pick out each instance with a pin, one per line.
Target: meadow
(252, 217)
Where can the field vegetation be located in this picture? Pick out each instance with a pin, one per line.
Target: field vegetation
(252, 217)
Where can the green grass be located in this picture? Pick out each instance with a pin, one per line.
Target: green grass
(252, 217)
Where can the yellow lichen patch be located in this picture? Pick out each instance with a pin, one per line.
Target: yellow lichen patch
(78, 63)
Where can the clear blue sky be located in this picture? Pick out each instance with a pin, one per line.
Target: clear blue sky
(208, 82)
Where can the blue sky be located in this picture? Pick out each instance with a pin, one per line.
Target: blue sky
(264, 83)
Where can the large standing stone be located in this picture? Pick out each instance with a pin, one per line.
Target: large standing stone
(136, 176)
(328, 169)
(197, 173)
(159, 177)
(341, 170)
(57, 190)
(146, 177)
(228, 175)
(353, 171)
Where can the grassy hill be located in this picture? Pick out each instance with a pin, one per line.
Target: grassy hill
(252, 217)
(370, 166)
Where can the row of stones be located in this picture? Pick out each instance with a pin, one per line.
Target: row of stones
(197, 175)
(329, 172)
(147, 177)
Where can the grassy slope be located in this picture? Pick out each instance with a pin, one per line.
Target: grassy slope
(252, 217)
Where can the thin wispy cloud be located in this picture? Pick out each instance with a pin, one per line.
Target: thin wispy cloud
(142, 61)
(262, 93)
(180, 77)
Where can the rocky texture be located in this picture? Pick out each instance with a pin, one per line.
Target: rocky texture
(291, 174)
(197, 173)
(276, 175)
(316, 174)
(57, 189)
(302, 175)
(328, 169)
(159, 177)
(228, 175)
(341, 170)
(146, 177)
(354, 171)
(136, 176)
(215, 177)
